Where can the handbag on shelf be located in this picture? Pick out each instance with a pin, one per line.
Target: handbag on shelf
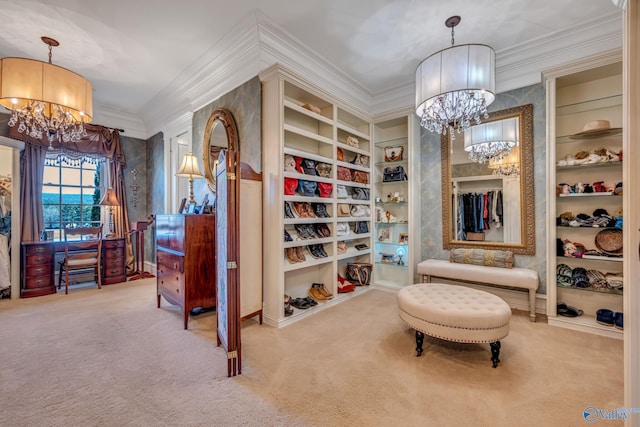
(360, 210)
(342, 229)
(392, 154)
(360, 177)
(290, 186)
(309, 166)
(324, 170)
(340, 155)
(342, 247)
(344, 174)
(360, 193)
(362, 227)
(394, 174)
(324, 189)
(358, 273)
(307, 188)
(343, 209)
(361, 160)
(342, 192)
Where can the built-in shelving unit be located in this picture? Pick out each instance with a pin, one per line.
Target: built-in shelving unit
(396, 228)
(292, 129)
(575, 98)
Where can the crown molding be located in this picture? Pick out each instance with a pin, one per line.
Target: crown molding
(109, 116)
(279, 47)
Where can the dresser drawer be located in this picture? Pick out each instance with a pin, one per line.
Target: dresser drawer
(37, 270)
(112, 244)
(38, 282)
(45, 258)
(112, 262)
(113, 253)
(38, 249)
(113, 271)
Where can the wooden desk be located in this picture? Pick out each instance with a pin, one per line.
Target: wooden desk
(39, 265)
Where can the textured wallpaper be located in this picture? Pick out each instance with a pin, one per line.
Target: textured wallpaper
(431, 199)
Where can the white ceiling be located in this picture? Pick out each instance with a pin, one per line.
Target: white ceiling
(141, 53)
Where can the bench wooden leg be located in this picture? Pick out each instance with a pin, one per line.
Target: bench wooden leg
(419, 341)
(495, 353)
(532, 305)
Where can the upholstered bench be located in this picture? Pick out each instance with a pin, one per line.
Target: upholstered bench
(455, 313)
(497, 273)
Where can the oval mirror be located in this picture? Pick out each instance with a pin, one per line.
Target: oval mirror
(220, 132)
(490, 204)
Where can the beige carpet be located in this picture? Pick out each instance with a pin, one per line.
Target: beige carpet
(110, 358)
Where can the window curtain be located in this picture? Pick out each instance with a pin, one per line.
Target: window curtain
(100, 143)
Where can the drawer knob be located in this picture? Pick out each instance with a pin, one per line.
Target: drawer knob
(177, 290)
(175, 265)
(39, 258)
(39, 282)
(40, 249)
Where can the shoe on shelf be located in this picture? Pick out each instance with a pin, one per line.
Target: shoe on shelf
(320, 209)
(618, 320)
(605, 317)
(300, 254)
(308, 210)
(315, 293)
(322, 251)
(288, 310)
(300, 209)
(303, 231)
(287, 237)
(313, 250)
(322, 230)
(291, 255)
(323, 290)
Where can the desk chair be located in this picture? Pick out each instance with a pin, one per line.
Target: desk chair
(82, 252)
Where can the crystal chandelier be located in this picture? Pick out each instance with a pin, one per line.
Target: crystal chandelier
(507, 166)
(455, 86)
(492, 140)
(44, 99)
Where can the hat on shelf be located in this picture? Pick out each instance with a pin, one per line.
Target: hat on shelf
(596, 129)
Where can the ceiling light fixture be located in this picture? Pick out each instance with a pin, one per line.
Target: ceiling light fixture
(45, 99)
(492, 140)
(455, 86)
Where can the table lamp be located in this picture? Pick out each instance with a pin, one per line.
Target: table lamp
(189, 168)
(110, 200)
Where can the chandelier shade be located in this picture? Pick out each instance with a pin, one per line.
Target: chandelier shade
(492, 140)
(455, 86)
(45, 99)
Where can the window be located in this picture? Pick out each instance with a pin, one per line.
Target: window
(70, 194)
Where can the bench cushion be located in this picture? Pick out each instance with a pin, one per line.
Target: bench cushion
(514, 277)
(454, 313)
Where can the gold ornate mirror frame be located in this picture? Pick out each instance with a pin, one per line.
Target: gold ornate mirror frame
(527, 203)
(220, 117)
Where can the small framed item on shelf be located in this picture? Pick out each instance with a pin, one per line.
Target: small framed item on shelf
(403, 239)
(386, 258)
(361, 247)
(192, 208)
(384, 235)
(183, 202)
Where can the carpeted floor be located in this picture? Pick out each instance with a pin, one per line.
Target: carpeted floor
(109, 357)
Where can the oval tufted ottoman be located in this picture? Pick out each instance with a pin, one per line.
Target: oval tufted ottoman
(455, 313)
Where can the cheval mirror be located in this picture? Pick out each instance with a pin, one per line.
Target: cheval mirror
(220, 132)
(490, 205)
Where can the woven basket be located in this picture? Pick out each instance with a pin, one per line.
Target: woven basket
(609, 241)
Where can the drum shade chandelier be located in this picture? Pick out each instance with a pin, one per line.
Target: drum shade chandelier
(491, 141)
(455, 86)
(44, 99)
(507, 166)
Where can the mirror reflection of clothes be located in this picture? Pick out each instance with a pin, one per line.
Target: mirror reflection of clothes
(478, 212)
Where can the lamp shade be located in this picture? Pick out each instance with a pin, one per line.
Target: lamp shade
(26, 80)
(491, 140)
(467, 67)
(109, 198)
(189, 167)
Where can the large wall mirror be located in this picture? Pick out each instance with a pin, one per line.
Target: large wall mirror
(490, 205)
(220, 132)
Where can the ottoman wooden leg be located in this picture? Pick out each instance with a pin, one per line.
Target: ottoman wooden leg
(495, 353)
(419, 341)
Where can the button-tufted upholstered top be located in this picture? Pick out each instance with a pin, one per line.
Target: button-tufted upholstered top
(454, 313)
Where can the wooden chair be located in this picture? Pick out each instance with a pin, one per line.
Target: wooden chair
(82, 253)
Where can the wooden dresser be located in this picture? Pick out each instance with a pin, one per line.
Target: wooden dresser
(113, 261)
(38, 264)
(185, 260)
